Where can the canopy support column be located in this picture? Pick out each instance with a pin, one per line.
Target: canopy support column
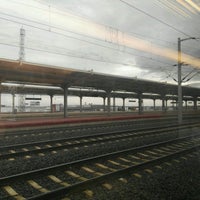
(163, 104)
(104, 104)
(186, 106)
(0, 102)
(140, 102)
(81, 103)
(51, 103)
(195, 103)
(114, 105)
(13, 103)
(65, 101)
(123, 107)
(154, 104)
(108, 102)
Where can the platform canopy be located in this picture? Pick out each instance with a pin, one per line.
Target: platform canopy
(31, 73)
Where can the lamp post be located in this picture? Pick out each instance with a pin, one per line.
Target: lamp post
(180, 98)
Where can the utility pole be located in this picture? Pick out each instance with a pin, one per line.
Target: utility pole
(180, 96)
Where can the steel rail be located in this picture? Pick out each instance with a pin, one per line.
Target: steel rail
(29, 174)
(83, 126)
(63, 191)
(78, 141)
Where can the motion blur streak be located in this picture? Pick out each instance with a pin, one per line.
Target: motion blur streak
(184, 4)
(117, 37)
(194, 5)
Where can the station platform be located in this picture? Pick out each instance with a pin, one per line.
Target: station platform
(25, 120)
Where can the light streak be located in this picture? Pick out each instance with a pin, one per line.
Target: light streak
(184, 4)
(114, 36)
(194, 5)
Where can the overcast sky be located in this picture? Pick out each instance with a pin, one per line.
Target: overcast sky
(135, 38)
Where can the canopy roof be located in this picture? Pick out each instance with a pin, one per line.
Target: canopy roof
(32, 73)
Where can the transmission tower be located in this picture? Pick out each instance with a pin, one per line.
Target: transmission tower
(21, 102)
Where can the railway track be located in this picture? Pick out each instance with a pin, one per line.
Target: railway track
(64, 179)
(27, 149)
(33, 134)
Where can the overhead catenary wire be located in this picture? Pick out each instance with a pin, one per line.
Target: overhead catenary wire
(71, 55)
(174, 8)
(56, 27)
(79, 39)
(107, 47)
(88, 19)
(50, 27)
(155, 18)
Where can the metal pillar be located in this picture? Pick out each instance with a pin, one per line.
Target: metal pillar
(140, 101)
(123, 104)
(114, 105)
(81, 104)
(0, 99)
(180, 117)
(154, 104)
(195, 104)
(180, 97)
(51, 103)
(163, 104)
(0, 102)
(65, 102)
(104, 104)
(186, 106)
(108, 102)
(13, 103)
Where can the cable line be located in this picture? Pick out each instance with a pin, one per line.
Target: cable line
(71, 55)
(82, 40)
(155, 18)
